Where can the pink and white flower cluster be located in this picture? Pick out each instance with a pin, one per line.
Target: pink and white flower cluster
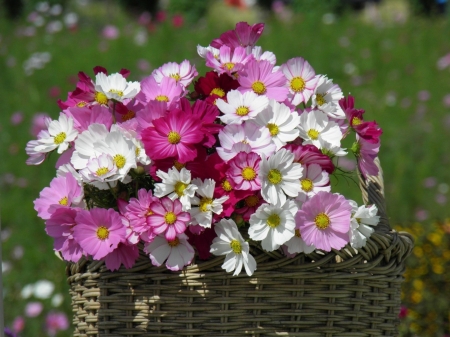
(188, 165)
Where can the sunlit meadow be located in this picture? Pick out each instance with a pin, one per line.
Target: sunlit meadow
(396, 66)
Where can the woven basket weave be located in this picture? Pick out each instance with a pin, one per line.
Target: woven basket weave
(341, 293)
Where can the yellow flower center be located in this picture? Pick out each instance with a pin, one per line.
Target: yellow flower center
(356, 121)
(101, 98)
(129, 115)
(175, 242)
(102, 233)
(320, 99)
(297, 233)
(179, 188)
(59, 138)
(162, 98)
(117, 92)
(273, 128)
(274, 176)
(322, 221)
(178, 165)
(313, 134)
(137, 151)
(226, 186)
(205, 204)
(173, 137)
(273, 220)
(119, 160)
(251, 200)
(242, 111)
(218, 92)
(81, 104)
(307, 185)
(248, 173)
(259, 88)
(64, 201)
(229, 65)
(177, 77)
(297, 84)
(236, 246)
(170, 218)
(149, 212)
(102, 171)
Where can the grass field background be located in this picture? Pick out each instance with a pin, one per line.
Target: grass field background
(391, 67)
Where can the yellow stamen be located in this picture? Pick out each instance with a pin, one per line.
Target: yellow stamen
(313, 134)
(117, 92)
(170, 218)
(177, 77)
(102, 171)
(356, 121)
(59, 138)
(236, 246)
(273, 128)
(307, 184)
(273, 220)
(248, 173)
(251, 200)
(322, 221)
(259, 88)
(175, 242)
(102, 233)
(101, 98)
(229, 65)
(297, 233)
(173, 137)
(178, 165)
(64, 201)
(218, 92)
(205, 204)
(320, 99)
(179, 188)
(119, 160)
(274, 176)
(226, 186)
(129, 115)
(242, 111)
(162, 98)
(81, 104)
(297, 84)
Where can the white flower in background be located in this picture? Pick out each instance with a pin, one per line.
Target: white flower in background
(279, 175)
(43, 289)
(177, 252)
(316, 128)
(297, 245)
(61, 134)
(57, 300)
(240, 107)
(273, 225)
(27, 291)
(364, 218)
(177, 185)
(280, 121)
(229, 242)
(116, 87)
(326, 97)
(207, 205)
(313, 180)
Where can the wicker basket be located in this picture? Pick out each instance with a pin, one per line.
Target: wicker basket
(342, 293)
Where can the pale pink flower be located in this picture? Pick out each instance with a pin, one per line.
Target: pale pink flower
(169, 90)
(39, 122)
(168, 218)
(33, 309)
(244, 170)
(301, 80)
(17, 118)
(138, 210)
(56, 321)
(125, 254)
(110, 32)
(183, 73)
(228, 61)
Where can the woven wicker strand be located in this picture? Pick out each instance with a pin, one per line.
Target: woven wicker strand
(344, 293)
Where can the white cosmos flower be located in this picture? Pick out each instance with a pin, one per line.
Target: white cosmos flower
(364, 218)
(177, 185)
(178, 252)
(279, 176)
(297, 245)
(61, 132)
(246, 137)
(116, 87)
(99, 169)
(332, 150)
(202, 51)
(241, 106)
(315, 128)
(229, 242)
(207, 205)
(84, 145)
(313, 180)
(259, 55)
(280, 121)
(326, 97)
(273, 225)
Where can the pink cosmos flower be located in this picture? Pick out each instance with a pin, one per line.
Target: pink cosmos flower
(174, 135)
(178, 252)
(110, 32)
(183, 73)
(33, 309)
(138, 210)
(168, 218)
(99, 231)
(169, 90)
(56, 321)
(313, 180)
(301, 80)
(229, 61)
(251, 204)
(60, 228)
(17, 118)
(244, 170)
(39, 122)
(18, 324)
(177, 20)
(63, 192)
(365, 153)
(125, 254)
(243, 35)
(85, 116)
(324, 221)
(259, 77)
(310, 154)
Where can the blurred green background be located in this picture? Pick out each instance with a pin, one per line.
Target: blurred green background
(393, 56)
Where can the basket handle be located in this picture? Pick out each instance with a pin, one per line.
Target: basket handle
(372, 188)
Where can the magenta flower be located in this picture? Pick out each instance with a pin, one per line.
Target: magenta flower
(365, 153)
(309, 154)
(63, 192)
(324, 221)
(85, 116)
(260, 78)
(110, 32)
(56, 321)
(124, 254)
(174, 135)
(60, 228)
(244, 170)
(138, 210)
(169, 90)
(168, 218)
(99, 231)
(243, 35)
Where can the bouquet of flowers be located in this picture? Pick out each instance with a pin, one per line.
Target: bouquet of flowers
(192, 167)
